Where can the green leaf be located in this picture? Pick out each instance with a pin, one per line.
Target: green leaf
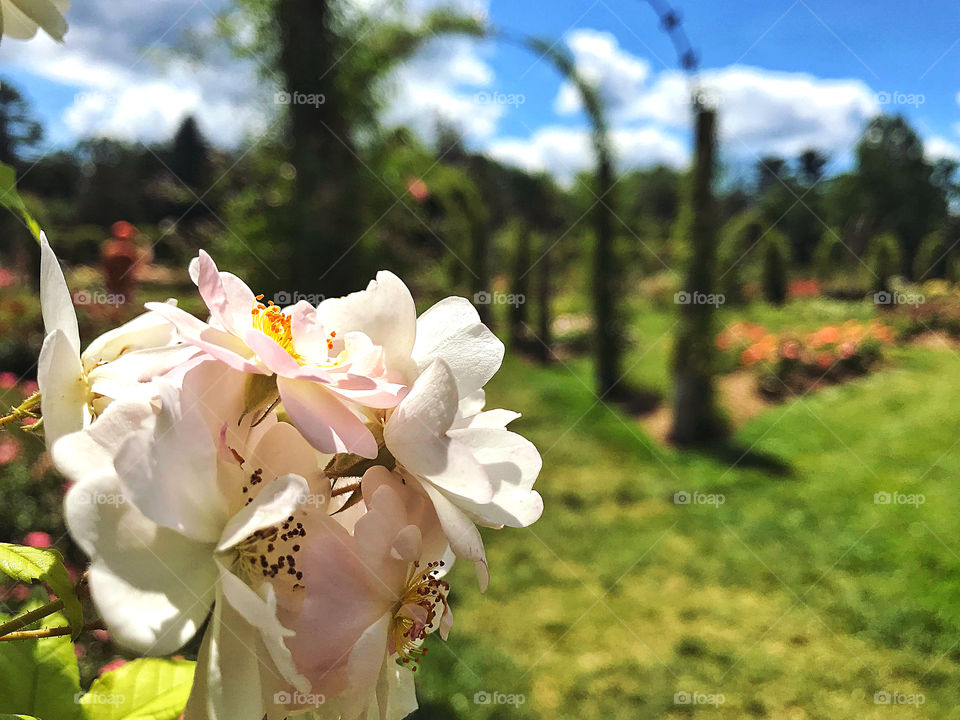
(16, 717)
(144, 689)
(40, 677)
(45, 564)
(10, 199)
(259, 391)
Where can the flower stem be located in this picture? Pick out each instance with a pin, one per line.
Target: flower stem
(50, 632)
(345, 489)
(29, 618)
(23, 410)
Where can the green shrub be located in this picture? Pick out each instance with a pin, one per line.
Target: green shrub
(738, 237)
(831, 254)
(932, 258)
(884, 261)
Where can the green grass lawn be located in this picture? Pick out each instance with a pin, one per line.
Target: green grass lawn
(798, 597)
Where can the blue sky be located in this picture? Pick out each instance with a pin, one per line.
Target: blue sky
(785, 74)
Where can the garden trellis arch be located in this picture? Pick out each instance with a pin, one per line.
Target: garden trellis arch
(606, 272)
(606, 278)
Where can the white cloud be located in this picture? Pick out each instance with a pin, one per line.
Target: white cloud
(565, 151)
(130, 87)
(937, 148)
(599, 60)
(445, 81)
(128, 84)
(761, 111)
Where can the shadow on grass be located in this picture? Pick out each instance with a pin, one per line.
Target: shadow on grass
(732, 453)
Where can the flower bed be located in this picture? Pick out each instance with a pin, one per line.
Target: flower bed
(790, 362)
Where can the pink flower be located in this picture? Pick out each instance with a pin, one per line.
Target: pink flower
(418, 190)
(37, 539)
(30, 387)
(320, 368)
(112, 665)
(8, 380)
(379, 597)
(9, 450)
(19, 592)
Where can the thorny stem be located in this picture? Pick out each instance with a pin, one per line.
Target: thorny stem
(23, 410)
(8, 630)
(345, 489)
(29, 618)
(50, 632)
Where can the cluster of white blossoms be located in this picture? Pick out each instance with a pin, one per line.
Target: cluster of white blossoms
(296, 481)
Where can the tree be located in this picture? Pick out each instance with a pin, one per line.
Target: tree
(20, 132)
(520, 285)
(189, 155)
(696, 417)
(322, 220)
(774, 269)
(895, 188)
(810, 165)
(770, 172)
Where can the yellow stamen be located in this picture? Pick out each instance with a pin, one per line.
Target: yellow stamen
(275, 324)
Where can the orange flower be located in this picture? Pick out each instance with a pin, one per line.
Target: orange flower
(790, 349)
